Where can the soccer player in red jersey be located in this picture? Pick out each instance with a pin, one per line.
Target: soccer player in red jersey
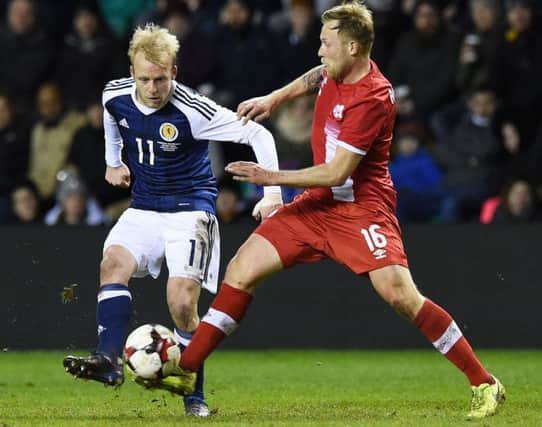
(347, 212)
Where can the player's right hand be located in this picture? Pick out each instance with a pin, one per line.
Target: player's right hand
(118, 176)
(257, 109)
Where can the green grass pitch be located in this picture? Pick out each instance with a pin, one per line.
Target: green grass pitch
(278, 388)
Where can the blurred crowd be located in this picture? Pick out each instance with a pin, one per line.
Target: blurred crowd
(466, 74)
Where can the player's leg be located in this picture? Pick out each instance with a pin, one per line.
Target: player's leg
(255, 260)
(112, 317)
(114, 299)
(132, 247)
(182, 298)
(395, 285)
(191, 248)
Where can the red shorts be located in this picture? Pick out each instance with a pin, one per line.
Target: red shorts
(360, 238)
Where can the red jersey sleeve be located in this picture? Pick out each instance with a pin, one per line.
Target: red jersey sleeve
(362, 124)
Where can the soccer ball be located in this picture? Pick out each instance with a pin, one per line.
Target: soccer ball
(151, 352)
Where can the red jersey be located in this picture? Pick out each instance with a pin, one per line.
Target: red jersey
(360, 118)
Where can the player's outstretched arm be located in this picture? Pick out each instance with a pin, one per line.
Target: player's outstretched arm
(260, 108)
(329, 174)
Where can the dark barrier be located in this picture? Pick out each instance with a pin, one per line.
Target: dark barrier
(487, 277)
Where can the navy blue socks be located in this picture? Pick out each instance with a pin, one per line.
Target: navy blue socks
(184, 339)
(113, 318)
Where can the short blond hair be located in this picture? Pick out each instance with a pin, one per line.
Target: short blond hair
(157, 43)
(355, 21)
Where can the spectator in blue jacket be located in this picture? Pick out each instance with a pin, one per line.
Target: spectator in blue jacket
(415, 175)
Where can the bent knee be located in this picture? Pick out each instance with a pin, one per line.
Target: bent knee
(255, 260)
(110, 264)
(240, 274)
(400, 292)
(406, 306)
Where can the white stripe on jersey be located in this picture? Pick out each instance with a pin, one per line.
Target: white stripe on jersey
(119, 82)
(194, 101)
(351, 148)
(194, 97)
(345, 192)
(114, 91)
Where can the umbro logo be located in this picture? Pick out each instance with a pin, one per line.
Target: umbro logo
(379, 253)
(124, 123)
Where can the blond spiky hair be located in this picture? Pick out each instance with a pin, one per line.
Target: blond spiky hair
(158, 44)
(355, 20)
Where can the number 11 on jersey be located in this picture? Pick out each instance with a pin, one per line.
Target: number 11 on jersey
(140, 150)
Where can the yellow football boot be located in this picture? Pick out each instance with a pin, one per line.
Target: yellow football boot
(485, 399)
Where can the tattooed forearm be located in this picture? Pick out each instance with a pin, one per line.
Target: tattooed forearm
(312, 79)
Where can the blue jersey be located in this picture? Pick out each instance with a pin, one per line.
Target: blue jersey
(167, 149)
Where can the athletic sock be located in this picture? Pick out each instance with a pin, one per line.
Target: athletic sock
(112, 317)
(184, 338)
(224, 315)
(439, 328)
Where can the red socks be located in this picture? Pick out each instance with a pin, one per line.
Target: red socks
(439, 328)
(230, 305)
(223, 317)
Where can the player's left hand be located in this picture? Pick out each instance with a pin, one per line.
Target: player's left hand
(250, 172)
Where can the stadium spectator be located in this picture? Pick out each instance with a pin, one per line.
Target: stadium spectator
(14, 141)
(518, 204)
(387, 21)
(26, 56)
(297, 43)
(415, 175)
(197, 57)
(518, 67)
(454, 13)
(293, 125)
(50, 139)
(479, 46)
(476, 57)
(26, 205)
(86, 155)
(245, 66)
(165, 128)
(204, 15)
(74, 205)
(514, 156)
(86, 61)
(422, 66)
(468, 159)
(348, 212)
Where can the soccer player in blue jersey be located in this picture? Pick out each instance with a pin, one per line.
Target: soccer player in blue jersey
(164, 128)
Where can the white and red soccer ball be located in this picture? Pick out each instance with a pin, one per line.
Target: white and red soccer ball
(151, 352)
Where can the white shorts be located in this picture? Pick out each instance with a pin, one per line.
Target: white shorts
(190, 242)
